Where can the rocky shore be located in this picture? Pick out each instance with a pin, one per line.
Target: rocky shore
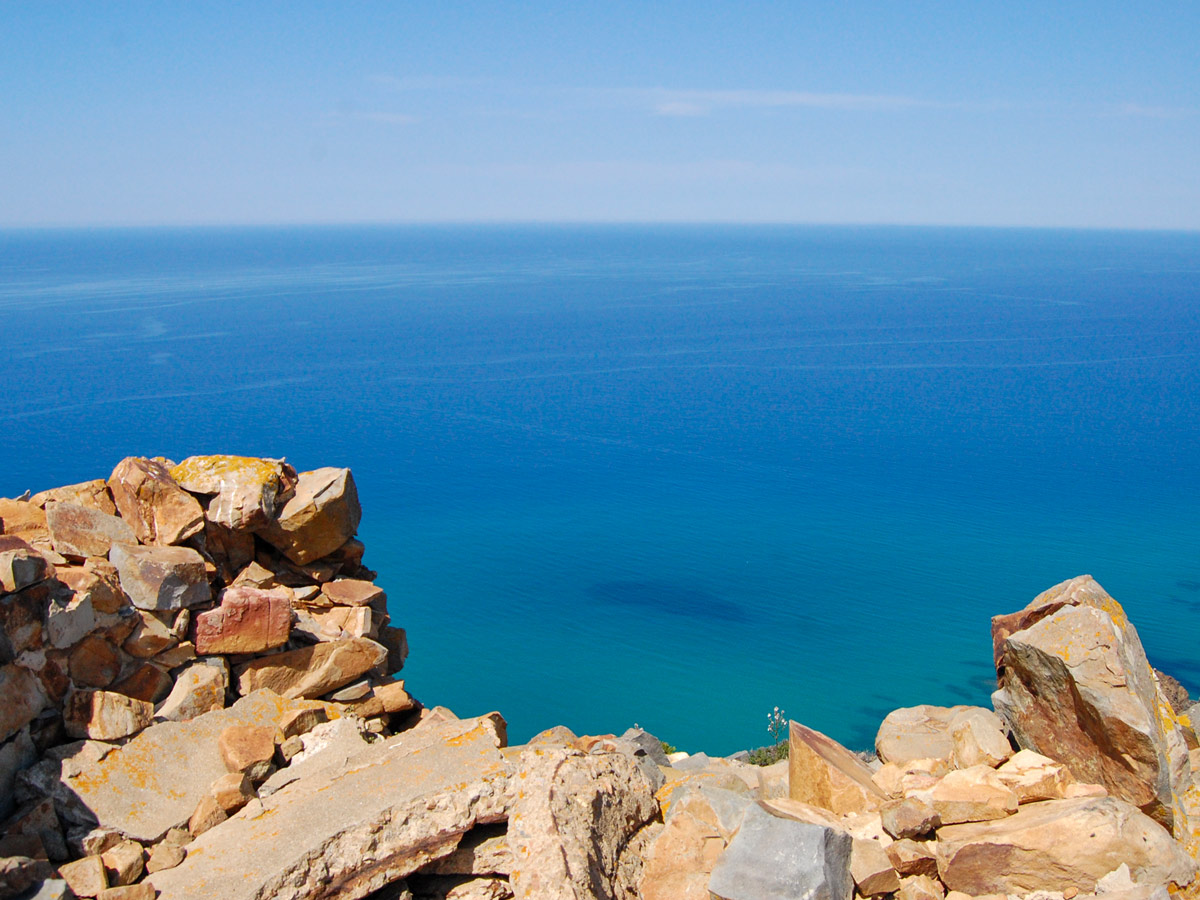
(198, 700)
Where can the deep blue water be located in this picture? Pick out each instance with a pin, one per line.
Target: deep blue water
(673, 476)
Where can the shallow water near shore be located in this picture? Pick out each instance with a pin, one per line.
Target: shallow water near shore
(674, 476)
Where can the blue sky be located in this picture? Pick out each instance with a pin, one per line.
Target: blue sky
(1014, 113)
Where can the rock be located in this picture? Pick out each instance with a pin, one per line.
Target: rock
(232, 791)
(824, 773)
(901, 779)
(404, 803)
(69, 620)
(909, 817)
(21, 620)
(570, 820)
(51, 889)
(207, 814)
(1076, 685)
(311, 671)
(249, 620)
(337, 624)
(482, 851)
(94, 662)
(86, 877)
(91, 494)
(21, 565)
(149, 637)
(917, 732)
(16, 755)
(872, 870)
(909, 857)
(95, 581)
(971, 795)
(143, 891)
(246, 489)
(37, 822)
(396, 641)
(322, 515)
(1056, 845)
(165, 855)
(145, 682)
(23, 519)
(325, 750)
(23, 699)
(1033, 777)
(680, 858)
(301, 721)
(147, 497)
(248, 750)
(124, 863)
(21, 874)
(199, 689)
(649, 744)
(105, 715)
(353, 592)
(979, 738)
(81, 532)
(155, 781)
(777, 859)
(157, 578)
(1175, 693)
(920, 887)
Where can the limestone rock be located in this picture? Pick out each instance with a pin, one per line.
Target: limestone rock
(96, 581)
(311, 671)
(777, 859)
(158, 509)
(247, 490)
(920, 887)
(402, 804)
(972, 795)
(872, 869)
(21, 565)
(482, 851)
(207, 814)
(161, 577)
(1082, 590)
(917, 732)
(909, 857)
(80, 531)
(902, 779)
(86, 877)
(23, 699)
(165, 855)
(145, 682)
(23, 519)
(1033, 777)
(571, 818)
(149, 637)
(1056, 845)
(143, 891)
(248, 750)
(17, 754)
(338, 623)
(353, 592)
(92, 494)
(21, 619)
(249, 620)
(105, 715)
(232, 791)
(322, 515)
(199, 689)
(824, 773)
(324, 751)
(124, 863)
(69, 620)
(1076, 686)
(909, 817)
(979, 738)
(680, 858)
(384, 699)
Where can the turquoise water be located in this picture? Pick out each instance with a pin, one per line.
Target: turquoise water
(672, 476)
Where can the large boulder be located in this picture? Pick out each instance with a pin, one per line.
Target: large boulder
(92, 494)
(1075, 686)
(681, 857)
(161, 577)
(148, 498)
(83, 531)
(772, 858)
(1058, 845)
(249, 620)
(917, 732)
(311, 671)
(245, 490)
(105, 715)
(824, 773)
(322, 515)
(398, 806)
(570, 820)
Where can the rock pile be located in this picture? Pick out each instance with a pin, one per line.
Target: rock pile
(198, 702)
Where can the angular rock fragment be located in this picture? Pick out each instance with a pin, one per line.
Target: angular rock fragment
(143, 891)
(86, 877)
(96, 581)
(979, 738)
(145, 682)
(80, 531)
(21, 621)
(311, 671)
(17, 754)
(920, 887)
(352, 592)
(91, 494)
(199, 689)
(246, 489)
(249, 620)
(124, 863)
(322, 515)
(23, 699)
(157, 578)
(94, 662)
(872, 870)
(824, 773)
(922, 732)
(971, 795)
(909, 857)
(147, 497)
(1033, 777)
(21, 565)
(909, 817)
(248, 750)
(105, 715)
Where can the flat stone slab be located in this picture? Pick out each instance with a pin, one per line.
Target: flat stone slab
(390, 810)
(154, 782)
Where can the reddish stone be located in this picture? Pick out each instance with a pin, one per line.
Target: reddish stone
(248, 620)
(148, 498)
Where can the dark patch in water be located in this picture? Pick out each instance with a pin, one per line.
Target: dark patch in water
(666, 597)
(1188, 585)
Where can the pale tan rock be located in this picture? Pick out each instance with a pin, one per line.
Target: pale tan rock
(255, 575)
(824, 773)
(338, 623)
(909, 817)
(353, 592)
(312, 671)
(1058, 844)
(165, 855)
(96, 581)
(971, 795)
(232, 791)
(143, 891)
(917, 732)
(124, 863)
(21, 565)
(182, 653)
(920, 887)
(1033, 777)
(248, 750)
(86, 877)
(157, 578)
(872, 870)
(158, 509)
(557, 736)
(402, 804)
(199, 689)
(909, 857)
(69, 622)
(1076, 790)
(482, 851)
(321, 516)
(246, 489)
(1075, 685)
(899, 779)
(680, 857)
(979, 738)
(80, 531)
(150, 637)
(92, 494)
(105, 715)
(207, 814)
(249, 620)
(23, 519)
(571, 818)
(384, 699)
(798, 810)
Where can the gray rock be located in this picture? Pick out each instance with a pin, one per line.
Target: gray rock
(742, 756)
(779, 859)
(68, 622)
(51, 889)
(634, 751)
(16, 755)
(695, 761)
(19, 874)
(161, 577)
(650, 745)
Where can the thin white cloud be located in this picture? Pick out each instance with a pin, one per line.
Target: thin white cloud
(694, 103)
(385, 118)
(1138, 110)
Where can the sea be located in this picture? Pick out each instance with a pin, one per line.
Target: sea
(672, 476)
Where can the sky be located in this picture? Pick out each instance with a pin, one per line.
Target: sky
(1077, 114)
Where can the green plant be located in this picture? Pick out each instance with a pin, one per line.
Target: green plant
(776, 723)
(764, 756)
(668, 748)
